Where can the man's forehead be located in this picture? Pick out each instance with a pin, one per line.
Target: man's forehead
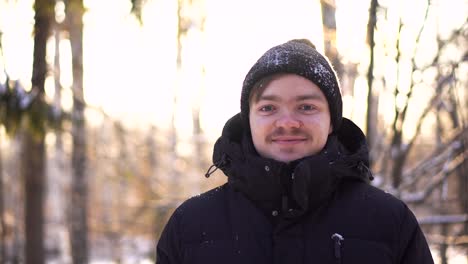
(300, 89)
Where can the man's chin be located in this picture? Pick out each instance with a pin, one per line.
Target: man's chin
(288, 158)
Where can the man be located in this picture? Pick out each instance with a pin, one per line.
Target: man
(298, 180)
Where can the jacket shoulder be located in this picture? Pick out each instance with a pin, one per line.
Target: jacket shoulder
(187, 224)
(202, 203)
(202, 214)
(371, 196)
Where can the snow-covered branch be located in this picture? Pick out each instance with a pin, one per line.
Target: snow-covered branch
(435, 161)
(449, 167)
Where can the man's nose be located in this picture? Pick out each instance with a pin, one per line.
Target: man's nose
(288, 120)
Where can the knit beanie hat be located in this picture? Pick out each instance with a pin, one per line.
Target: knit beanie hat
(297, 56)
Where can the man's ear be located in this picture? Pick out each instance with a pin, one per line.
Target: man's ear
(330, 129)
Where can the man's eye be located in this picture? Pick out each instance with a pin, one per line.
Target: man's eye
(267, 108)
(306, 107)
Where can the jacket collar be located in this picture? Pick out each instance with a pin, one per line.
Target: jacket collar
(292, 188)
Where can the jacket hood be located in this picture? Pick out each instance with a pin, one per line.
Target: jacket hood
(304, 183)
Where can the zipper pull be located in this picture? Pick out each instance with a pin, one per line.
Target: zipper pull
(338, 243)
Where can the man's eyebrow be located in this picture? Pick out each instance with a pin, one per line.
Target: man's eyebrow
(269, 98)
(304, 97)
(314, 96)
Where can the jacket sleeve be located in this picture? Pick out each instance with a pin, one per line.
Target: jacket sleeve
(413, 245)
(169, 244)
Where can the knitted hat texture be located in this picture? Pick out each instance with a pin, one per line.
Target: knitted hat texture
(297, 56)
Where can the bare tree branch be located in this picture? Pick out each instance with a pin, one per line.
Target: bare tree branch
(448, 240)
(434, 160)
(449, 167)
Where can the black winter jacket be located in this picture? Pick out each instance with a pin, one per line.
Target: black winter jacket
(319, 209)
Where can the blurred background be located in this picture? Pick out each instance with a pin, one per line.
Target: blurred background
(109, 110)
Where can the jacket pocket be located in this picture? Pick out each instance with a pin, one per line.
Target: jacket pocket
(358, 251)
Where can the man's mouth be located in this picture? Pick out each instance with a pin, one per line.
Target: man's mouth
(288, 140)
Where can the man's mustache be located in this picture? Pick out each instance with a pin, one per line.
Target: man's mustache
(290, 132)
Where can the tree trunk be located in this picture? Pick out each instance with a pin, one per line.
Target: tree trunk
(2, 206)
(329, 33)
(463, 180)
(443, 247)
(57, 106)
(198, 140)
(462, 174)
(79, 188)
(371, 120)
(33, 154)
(2, 203)
(58, 176)
(174, 173)
(33, 149)
(16, 199)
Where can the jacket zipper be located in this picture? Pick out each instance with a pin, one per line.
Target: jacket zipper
(337, 238)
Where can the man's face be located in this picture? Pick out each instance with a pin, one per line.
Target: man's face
(290, 119)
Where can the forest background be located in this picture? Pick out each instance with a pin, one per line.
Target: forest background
(109, 111)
